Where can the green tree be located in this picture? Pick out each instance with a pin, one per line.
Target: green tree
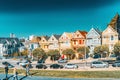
(24, 53)
(54, 54)
(69, 53)
(117, 49)
(82, 51)
(102, 50)
(38, 53)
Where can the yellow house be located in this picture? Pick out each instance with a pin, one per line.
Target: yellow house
(109, 37)
(44, 44)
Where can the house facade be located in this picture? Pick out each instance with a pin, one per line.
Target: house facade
(115, 24)
(65, 41)
(54, 42)
(93, 39)
(109, 37)
(78, 39)
(44, 43)
(8, 46)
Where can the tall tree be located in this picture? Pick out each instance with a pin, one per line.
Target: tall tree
(38, 53)
(102, 50)
(54, 54)
(83, 51)
(69, 53)
(117, 49)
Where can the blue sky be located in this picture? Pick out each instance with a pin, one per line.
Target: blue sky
(46, 17)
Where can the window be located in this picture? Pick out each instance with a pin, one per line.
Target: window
(79, 41)
(112, 38)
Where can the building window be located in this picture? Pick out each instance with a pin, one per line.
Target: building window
(78, 35)
(79, 41)
(112, 38)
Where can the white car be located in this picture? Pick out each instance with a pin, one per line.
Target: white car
(23, 63)
(71, 66)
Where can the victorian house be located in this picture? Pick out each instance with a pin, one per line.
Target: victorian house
(109, 37)
(78, 39)
(65, 41)
(54, 43)
(115, 24)
(8, 46)
(44, 44)
(93, 39)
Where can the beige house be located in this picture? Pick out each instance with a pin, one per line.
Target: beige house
(65, 41)
(44, 43)
(109, 37)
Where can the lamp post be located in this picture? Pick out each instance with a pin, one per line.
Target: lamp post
(85, 54)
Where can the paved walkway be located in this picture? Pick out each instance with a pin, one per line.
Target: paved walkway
(10, 77)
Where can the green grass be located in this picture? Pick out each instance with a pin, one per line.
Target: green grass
(70, 74)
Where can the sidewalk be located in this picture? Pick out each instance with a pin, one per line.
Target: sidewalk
(2, 77)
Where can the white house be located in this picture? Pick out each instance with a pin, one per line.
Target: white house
(8, 46)
(93, 39)
(54, 42)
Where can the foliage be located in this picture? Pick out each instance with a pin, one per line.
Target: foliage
(38, 53)
(82, 51)
(117, 49)
(69, 53)
(24, 53)
(54, 54)
(102, 50)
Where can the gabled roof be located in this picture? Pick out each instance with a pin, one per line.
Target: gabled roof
(83, 33)
(57, 36)
(2, 40)
(68, 34)
(109, 26)
(46, 37)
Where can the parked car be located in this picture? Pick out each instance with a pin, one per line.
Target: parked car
(41, 66)
(41, 61)
(62, 61)
(71, 66)
(23, 63)
(7, 63)
(99, 64)
(56, 66)
(29, 65)
(116, 64)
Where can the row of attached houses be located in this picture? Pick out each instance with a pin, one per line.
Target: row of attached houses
(91, 39)
(8, 46)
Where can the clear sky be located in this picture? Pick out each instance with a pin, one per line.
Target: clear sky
(46, 17)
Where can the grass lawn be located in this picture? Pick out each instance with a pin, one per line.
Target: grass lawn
(69, 74)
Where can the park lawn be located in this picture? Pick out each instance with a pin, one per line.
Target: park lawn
(69, 74)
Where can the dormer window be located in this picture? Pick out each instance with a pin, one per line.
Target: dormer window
(52, 39)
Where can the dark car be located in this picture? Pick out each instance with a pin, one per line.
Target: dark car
(41, 66)
(7, 63)
(56, 66)
(41, 61)
(116, 64)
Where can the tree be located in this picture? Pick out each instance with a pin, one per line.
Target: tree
(38, 53)
(117, 49)
(69, 53)
(102, 50)
(24, 53)
(82, 51)
(54, 54)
